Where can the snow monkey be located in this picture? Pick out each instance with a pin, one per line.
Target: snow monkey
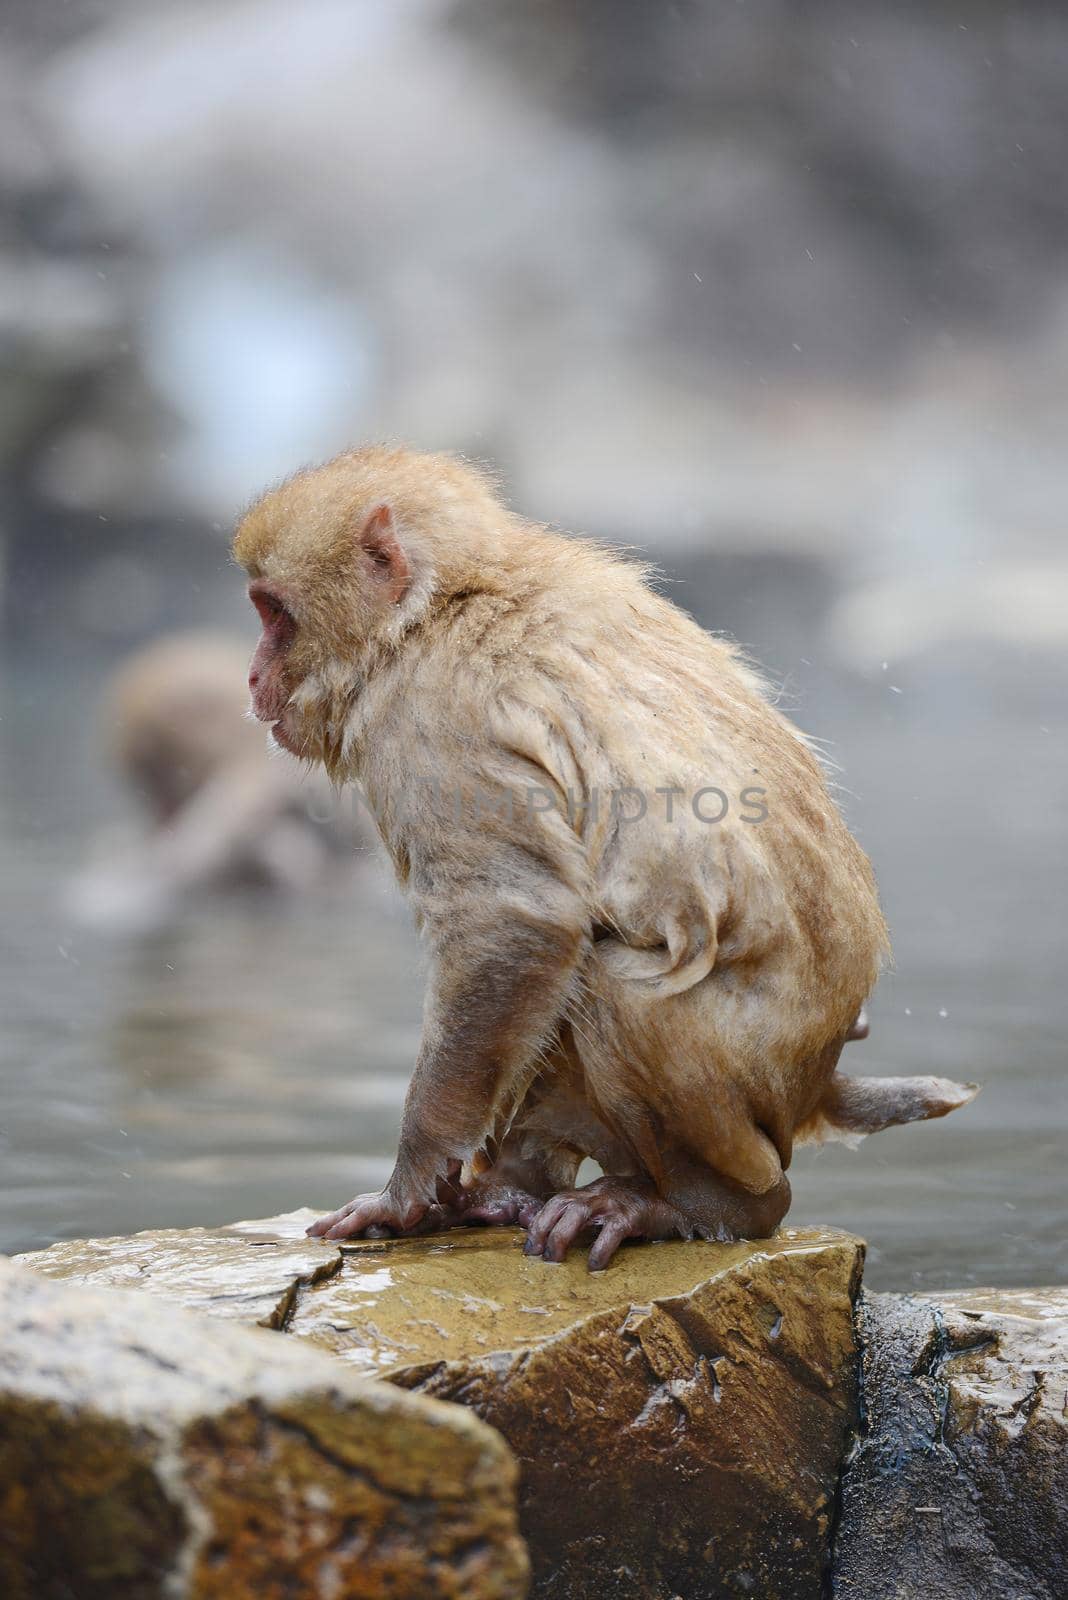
(219, 813)
(650, 930)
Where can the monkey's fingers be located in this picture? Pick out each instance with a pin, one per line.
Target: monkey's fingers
(362, 1219)
(619, 1208)
(322, 1225)
(543, 1224)
(577, 1216)
(563, 1218)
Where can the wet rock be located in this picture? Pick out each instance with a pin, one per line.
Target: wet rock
(959, 1483)
(250, 1271)
(146, 1453)
(679, 1419)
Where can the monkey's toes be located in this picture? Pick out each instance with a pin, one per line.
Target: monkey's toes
(612, 1208)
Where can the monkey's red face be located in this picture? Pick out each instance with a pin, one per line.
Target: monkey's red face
(270, 676)
(325, 592)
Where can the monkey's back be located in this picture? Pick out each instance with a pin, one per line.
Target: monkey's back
(730, 956)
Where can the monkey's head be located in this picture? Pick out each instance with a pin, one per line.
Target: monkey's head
(342, 560)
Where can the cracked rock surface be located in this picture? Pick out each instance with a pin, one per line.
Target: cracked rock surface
(251, 1272)
(146, 1453)
(958, 1486)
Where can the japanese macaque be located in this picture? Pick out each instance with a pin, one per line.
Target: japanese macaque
(220, 811)
(651, 932)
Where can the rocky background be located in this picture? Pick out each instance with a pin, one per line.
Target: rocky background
(774, 290)
(764, 274)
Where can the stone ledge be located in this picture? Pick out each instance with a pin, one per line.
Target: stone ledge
(247, 1272)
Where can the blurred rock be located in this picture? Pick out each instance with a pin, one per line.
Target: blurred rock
(714, 233)
(1021, 605)
(959, 1483)
(849, 180)
(145, 1453)
(729, 253)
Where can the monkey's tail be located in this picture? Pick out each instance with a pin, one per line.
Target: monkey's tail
(853, 1107)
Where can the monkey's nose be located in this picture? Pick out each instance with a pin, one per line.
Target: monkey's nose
(253, 678)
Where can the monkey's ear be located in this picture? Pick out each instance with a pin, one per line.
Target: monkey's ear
(384, 556)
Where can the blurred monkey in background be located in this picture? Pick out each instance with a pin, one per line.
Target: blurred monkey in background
(221, 812)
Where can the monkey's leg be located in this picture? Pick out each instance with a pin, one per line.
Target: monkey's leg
(695, 1200)
(538, 1155)
(495, 995)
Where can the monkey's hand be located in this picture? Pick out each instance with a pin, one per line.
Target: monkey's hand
(618, 1208)
(373, 1215)
(398, 1209)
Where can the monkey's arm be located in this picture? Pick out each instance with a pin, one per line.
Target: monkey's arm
(507, 922)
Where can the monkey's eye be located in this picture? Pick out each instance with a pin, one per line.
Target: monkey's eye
(272, 611)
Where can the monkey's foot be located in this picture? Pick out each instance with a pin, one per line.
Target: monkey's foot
(618, 1208)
